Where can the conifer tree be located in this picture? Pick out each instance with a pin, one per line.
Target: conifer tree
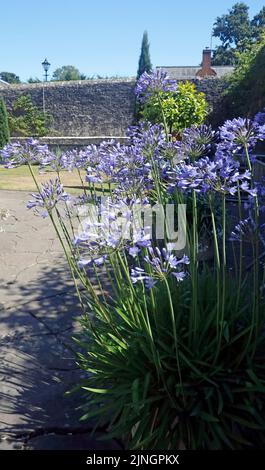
(144, 64)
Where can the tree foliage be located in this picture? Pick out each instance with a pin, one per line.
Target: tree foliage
(245, 88)
(258, 24)
(181, 109)
(144, 64)
(235, 31)
(67, 73)
(9, 77)
(34, 80)
(4, 129)
(27, 120)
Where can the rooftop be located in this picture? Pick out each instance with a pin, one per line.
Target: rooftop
(206, 69)
(189, 72)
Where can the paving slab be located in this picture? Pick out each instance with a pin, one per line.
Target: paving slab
(39, 315)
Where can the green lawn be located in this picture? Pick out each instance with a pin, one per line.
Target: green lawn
(20, 179)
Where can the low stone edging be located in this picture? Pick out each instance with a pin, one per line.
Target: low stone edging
(68, 143)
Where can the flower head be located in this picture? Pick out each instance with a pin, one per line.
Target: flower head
(154, 82)
(17, 153)
(222, 176)
(163, 263)
(50, 194)
(239, 134)
(260, 117)
(196, 142)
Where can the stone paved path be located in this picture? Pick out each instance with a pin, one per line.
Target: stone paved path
(38, 317)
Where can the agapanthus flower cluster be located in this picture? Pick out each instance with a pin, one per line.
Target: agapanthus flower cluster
(163, 263)
(148, 138)
(129, 166)
(239, 134)
(50, 195)
(242, 231)
(121, 164)
(51, 161)
(153, 82)
(19, 153)
(197, 141)
(248, 230)
(109, 227)
(221, 176)
(260, 118)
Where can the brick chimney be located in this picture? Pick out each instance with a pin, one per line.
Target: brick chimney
(206, 70)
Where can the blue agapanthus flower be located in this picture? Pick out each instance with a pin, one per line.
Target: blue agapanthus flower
(19, 153)
(238, 133)
(204, 175)
(163, 263)
(50, 194)
(260, 118)
(154, 82)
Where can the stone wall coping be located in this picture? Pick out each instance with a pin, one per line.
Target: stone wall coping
(70, 83)
(69, 137)
(72, 139)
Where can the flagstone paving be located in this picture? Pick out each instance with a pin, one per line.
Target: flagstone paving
(38, 317)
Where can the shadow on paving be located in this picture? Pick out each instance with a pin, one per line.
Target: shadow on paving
(37, 367)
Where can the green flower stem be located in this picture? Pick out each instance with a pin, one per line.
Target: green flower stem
(256, 290)
(69, 260)
(194, 266)
(66, 205)
(248, 159)
(221, 320)
(240, 249)
(82, 181)
(218, 267)
(163, 117)
(174, 328)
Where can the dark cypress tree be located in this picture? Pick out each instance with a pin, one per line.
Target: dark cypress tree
(4, 129)
(144, 64)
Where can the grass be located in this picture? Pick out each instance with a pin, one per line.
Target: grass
(19, 179)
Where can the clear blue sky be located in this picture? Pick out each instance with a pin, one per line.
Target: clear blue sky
(104, 36)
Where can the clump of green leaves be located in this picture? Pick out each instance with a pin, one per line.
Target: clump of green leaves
(4, 130)
(26, 120)
(67, 73)
(236, 31)
(133, 380)
(181, 109)
(245, 91)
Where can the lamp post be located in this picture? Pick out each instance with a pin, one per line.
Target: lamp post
(46, 65)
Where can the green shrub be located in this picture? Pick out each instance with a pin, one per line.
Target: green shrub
(27, 120)
(134, 375)
(244, 94)
(182, 108)
(4, 130)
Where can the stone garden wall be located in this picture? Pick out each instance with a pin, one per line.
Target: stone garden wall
(213, 89)
(93, 107)
(81, 108)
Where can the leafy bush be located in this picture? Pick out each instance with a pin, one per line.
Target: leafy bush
(216, 401)
(10, 77)
(4, 130)
(182, 108)
(27, 120)
(245, 90)
(66, 73)
(172, 345)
